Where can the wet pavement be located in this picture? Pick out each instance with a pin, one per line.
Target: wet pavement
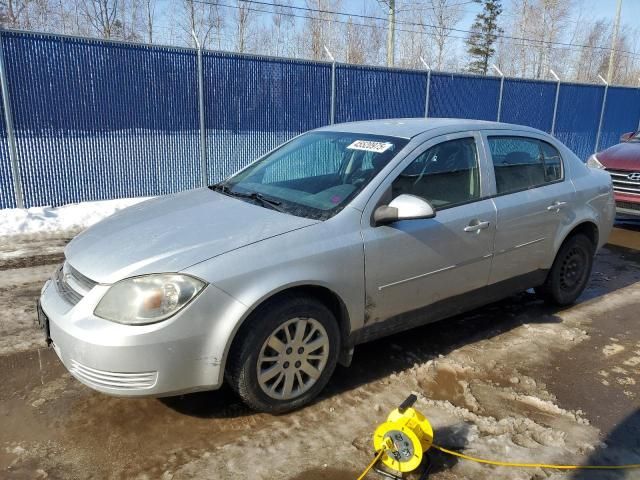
(540, 379)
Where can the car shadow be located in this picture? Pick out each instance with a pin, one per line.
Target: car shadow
(620, 446)
(378, 359)
(222, 403)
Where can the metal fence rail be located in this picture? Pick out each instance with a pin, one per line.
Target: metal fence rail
(93, 119)
(7, 194)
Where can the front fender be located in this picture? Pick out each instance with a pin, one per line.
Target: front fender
(329, 254)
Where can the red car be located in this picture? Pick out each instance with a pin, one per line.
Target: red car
(622, 161)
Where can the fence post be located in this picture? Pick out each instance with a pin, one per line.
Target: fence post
(204, 170)
(638, 129)
(501, 89)
(333, 86)
(426, 101)
(11, 138)
(604, 104)
(555, 103)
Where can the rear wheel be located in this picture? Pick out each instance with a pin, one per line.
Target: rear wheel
(285, 356)
(570, 271)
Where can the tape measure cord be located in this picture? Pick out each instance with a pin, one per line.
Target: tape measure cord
(373, 462)
(535, 465)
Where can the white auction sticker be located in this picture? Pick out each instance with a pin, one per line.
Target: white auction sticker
(370, 146)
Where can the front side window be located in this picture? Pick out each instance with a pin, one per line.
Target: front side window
(445, 174)
(316, 174)
(522, 163)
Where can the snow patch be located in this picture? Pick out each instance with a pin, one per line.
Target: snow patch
(72, 217)
(613, 349)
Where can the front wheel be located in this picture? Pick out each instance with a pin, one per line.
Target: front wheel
(285, 355)
(570, 271)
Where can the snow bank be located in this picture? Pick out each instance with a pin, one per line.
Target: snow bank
(77, 216)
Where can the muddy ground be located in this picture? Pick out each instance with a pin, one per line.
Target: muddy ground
(516, 381)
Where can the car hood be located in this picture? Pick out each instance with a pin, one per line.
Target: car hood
(623, 156)
(171, 233)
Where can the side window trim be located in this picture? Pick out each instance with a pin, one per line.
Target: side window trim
(477, 167)
(377, 197)
(486, 134)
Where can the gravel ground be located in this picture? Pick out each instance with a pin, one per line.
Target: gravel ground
(516, 380)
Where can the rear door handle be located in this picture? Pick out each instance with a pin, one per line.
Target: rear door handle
(555, 206)
(476, 226)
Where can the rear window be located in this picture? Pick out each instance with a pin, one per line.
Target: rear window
(522, 163)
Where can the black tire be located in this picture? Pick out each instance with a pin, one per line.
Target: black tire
(570, 271)
(242, 364)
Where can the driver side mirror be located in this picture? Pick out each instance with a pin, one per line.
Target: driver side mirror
(626, 136)
(403, 207)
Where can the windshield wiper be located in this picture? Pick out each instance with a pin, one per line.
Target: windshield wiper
(219, 187)
(267, 202)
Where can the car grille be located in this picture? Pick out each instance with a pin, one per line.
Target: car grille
(622, 183)
(113, 380)
(71, 284)
(628, 205)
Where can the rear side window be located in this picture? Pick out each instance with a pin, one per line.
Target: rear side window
(523, 163)
(445, 174)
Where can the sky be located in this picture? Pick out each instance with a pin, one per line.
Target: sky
(594, 9)
(591, 10)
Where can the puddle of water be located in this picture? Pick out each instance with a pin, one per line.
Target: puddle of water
(50, 415)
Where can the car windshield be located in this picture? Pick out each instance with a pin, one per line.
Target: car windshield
(316, 174)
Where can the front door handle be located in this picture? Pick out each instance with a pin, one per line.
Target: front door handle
(476, 226)
(556, 206)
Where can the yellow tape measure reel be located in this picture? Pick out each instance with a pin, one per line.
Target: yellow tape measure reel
(411, 434)
(405, 437)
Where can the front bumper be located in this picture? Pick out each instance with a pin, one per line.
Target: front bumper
(178, 355)
(627, 204)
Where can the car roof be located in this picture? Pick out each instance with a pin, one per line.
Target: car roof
(410, 127)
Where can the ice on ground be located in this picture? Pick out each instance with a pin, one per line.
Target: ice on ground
(72, 217)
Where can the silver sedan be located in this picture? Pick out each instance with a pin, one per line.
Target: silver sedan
(342, 235)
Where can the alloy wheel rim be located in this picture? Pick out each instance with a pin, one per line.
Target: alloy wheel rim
(292, 358)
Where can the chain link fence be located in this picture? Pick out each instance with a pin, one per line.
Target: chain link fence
(85, 119)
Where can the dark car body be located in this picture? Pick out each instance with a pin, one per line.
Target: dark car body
(622, 161)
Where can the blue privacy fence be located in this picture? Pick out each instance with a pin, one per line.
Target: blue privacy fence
(85, 119)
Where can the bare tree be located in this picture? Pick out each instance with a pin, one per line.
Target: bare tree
(413, 43)
(150, 11)
(27, 14)
(282, 25)
(442, 16)
(242, 22)
(102, 15)
(201, 19)
(355, 44)
(13, 13)
(552, 18)
(590, 57)
(320, 29)
(132, 22)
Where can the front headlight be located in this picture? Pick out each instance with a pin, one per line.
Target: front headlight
(148, 299)
(593, 162)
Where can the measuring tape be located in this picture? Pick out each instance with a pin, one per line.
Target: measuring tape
(403, 439)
